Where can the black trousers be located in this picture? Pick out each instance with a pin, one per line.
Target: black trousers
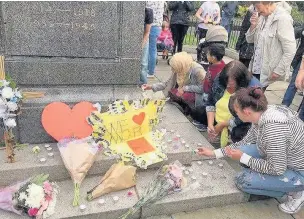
(196, 113)
(257, 76)
(245, 61)
(201, 33)
(179, 32)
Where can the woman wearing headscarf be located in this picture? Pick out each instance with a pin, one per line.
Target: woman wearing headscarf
(185, 85)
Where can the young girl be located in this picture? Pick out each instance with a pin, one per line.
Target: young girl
(272, 149)
(165, 41)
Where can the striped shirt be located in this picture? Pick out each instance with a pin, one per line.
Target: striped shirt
(279, 136)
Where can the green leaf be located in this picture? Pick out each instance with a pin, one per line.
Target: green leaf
(40, 179)
(12, 84)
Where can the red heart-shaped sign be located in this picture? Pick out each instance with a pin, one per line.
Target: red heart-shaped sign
(138, 119)
(60, 121)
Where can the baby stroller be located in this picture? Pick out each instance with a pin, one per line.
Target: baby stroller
(215, 34)
(164, 50)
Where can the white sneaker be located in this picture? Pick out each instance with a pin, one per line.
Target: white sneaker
(294, 204)
(150, 76)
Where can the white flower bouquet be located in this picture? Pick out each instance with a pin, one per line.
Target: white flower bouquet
(35, 197)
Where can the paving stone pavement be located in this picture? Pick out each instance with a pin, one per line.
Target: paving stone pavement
(266, 209)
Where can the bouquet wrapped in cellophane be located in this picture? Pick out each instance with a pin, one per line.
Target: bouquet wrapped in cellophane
(167, 180)
(78, 156)
(35, 197)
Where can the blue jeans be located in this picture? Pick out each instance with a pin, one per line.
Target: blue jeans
(144, 64)
(301, 110)
(226, 23)
(154, 33)
(291, 90)
(256, 183)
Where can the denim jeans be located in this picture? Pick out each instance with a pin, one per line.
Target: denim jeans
(301, 110)
(256, 183)
(154, 33)
(226, 22)
(291, 90)
(144, 64)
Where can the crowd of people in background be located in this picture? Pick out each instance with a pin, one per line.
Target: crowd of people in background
(227, 99)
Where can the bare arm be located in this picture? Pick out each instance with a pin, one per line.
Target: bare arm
(210, 117)
(146, 34)
(198, 14)
(300, 77)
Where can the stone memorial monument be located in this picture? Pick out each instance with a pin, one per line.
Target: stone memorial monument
(73, 51)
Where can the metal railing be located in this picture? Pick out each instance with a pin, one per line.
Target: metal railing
(191, 38)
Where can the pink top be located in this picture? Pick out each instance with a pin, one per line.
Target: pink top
(165, 37)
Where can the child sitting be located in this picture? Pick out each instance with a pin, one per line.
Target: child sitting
(165, 41)
(215, 54)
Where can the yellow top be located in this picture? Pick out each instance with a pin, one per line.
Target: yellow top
(222, 114)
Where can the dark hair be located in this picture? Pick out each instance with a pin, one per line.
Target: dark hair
(252, 97)
(217, 50)
(238, 71)
(231, 105)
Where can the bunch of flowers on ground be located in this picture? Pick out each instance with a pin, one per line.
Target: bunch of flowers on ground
(35, 197)
(167, 180)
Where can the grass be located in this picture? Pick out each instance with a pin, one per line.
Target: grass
(190, 40)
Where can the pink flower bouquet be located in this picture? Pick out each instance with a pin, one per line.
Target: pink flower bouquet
(35, 197)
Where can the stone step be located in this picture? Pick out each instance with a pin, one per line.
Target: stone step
(64, 208)
(265, 209)
(30, 129)
(28, 164)
(171, 119)
(217, 189)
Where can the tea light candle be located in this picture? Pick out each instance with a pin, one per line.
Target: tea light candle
(193, 178)
(101, 201)
(199, 162)
(187, 172)
(190, 170)
(221, 165)
(116, 198)
(210, 162)
(49, 149)
(183, 142)
(172, 131)
(199, 144)
(82, 208)
(42, 160)
(187, 146)
(178, 136)
(205, 174)
(169, 141)
(47, 145)
(50, 154)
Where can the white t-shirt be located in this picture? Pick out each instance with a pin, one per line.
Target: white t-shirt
(211, 12)
(158, 8)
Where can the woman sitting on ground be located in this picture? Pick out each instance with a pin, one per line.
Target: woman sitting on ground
(185, 85)
(273, 150)
(234, 76)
